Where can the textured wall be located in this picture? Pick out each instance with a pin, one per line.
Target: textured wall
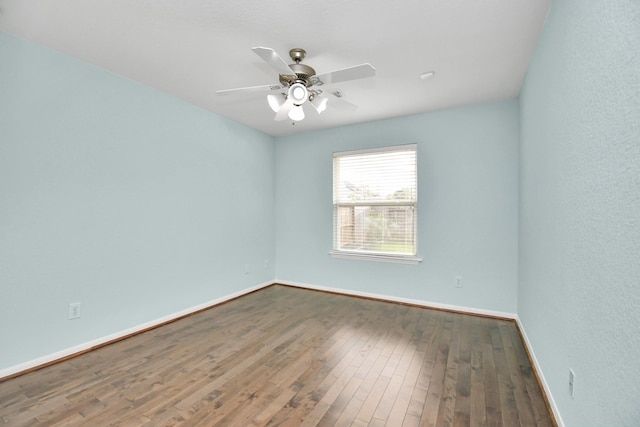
(133, 202)
(579, 269)
(467, 207)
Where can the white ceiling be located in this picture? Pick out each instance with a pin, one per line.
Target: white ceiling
(479, 49)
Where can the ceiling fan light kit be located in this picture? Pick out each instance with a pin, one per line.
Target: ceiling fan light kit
(296, 81)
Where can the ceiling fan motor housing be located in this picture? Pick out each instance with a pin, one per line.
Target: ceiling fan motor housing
(303, 73)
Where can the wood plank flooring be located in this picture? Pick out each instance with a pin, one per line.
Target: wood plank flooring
(285, 356)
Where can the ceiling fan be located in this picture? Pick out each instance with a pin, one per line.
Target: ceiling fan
(299, 83)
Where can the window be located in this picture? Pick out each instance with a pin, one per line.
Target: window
(374, 201)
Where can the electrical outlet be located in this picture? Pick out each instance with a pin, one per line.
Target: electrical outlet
(458, 281)
(246, 269)
(74, 310)
(266, 263)
(572, 384)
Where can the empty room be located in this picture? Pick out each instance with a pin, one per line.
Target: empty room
(327, 213)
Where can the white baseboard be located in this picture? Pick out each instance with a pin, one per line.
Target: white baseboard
(543, 381)
(421, 303)
(67, 352)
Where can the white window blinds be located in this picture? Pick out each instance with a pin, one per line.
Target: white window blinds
(375, 198)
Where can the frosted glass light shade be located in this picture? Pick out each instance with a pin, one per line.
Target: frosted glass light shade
(319, 103)
(296, 113)
(298, 93)
(273, 102)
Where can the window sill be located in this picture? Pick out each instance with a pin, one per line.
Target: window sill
(399, 259)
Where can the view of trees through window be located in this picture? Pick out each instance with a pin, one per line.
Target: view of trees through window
(377, 229)
(375, 196)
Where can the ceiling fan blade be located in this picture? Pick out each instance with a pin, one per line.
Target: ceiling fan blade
(351, 73)
(340, 102)
(249, 89)
(283, 112)
(272, 58)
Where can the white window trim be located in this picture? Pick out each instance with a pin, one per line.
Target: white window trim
(399, 259)
(376, 150)
(369, 256)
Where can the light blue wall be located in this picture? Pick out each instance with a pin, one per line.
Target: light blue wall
(113, 194)
(579, 279)
(467, 207)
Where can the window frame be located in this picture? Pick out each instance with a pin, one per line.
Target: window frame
(413, 204)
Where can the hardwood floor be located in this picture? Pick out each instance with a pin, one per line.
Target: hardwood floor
(284, 356)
